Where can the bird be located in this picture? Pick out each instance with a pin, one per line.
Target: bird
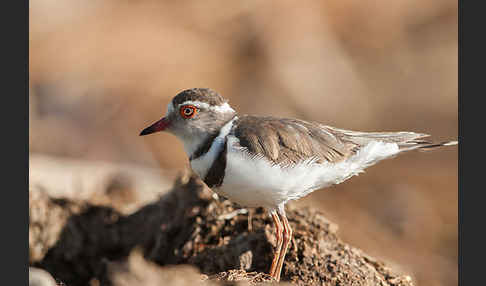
(266, 161)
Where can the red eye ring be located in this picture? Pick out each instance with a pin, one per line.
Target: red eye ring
(188, 111)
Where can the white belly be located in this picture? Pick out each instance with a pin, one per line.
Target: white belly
(256, 182)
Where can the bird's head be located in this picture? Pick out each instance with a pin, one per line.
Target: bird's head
(193, 115)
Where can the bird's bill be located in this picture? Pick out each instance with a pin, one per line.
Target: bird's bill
(160, 125)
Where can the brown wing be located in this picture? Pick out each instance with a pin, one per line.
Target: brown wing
(290, 141)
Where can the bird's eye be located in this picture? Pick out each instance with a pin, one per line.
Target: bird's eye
(188, 111)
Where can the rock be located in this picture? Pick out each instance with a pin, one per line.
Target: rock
(138, 271)
(47, 217)
(245, 278)
(189, 226)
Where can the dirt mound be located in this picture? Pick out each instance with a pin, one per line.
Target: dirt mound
(88, 244)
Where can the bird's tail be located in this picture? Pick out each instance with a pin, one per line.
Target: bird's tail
(423, 145)
(405, 140)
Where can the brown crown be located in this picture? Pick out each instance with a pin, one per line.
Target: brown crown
(199, 94)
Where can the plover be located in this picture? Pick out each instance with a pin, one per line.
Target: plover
(263, 161)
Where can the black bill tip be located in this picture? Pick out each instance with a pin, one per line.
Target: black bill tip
(160, 125)
(147, 131)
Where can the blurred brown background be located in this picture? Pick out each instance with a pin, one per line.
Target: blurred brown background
(100, 71)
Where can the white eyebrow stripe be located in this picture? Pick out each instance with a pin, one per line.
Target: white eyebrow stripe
(219, 108)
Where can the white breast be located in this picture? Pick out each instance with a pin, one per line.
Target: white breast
(256, 182)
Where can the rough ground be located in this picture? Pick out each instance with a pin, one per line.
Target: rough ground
(187, 236)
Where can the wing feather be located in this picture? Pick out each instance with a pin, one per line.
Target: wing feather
(290, 141)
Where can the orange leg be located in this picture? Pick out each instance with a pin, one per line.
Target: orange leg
(287, 238)
(274, 271)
